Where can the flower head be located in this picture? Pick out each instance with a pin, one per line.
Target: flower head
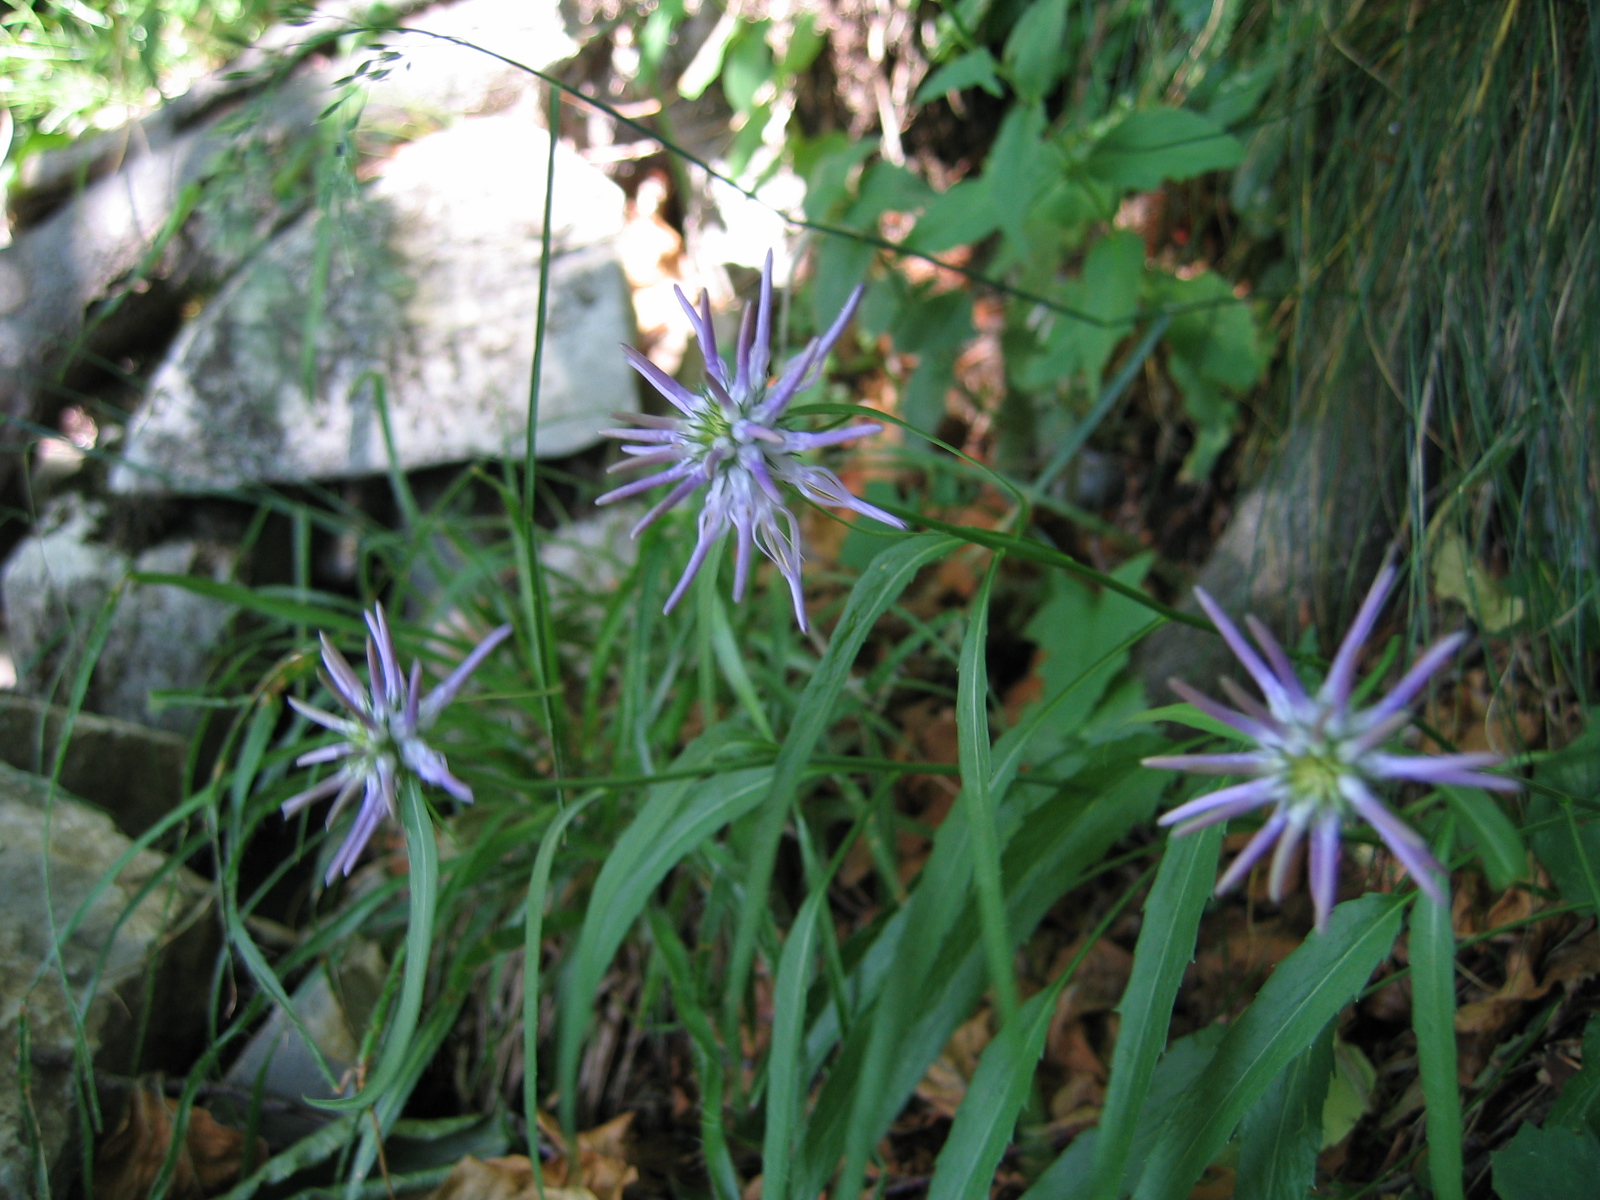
(1316, 761)
(731, 440)
(382, 736)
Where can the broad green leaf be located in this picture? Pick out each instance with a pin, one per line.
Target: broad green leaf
(1184, 714)
(1108, 290)
(746, 65)
(1547, 1164)
(1350, 1094)
(886, 187)
(974, 69)
(1035, 55)
(1166, 945)
(1304, 993)
(1568, 844)
(841, 264)
(1073, 629)
(1282, 1132)
(1154, 145)
(1579, 1104)
(1022, 164)
(1492, 832)
(707, 62)
(1433, 1017)
(960, 215)
(1458, 576)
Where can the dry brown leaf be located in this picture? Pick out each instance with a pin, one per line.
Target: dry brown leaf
(603, 1167)
(509, 1178)
(945, 1084)
(128, 1160)
(1573, 962)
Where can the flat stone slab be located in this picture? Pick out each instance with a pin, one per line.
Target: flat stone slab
(101, 960)
(427, 281)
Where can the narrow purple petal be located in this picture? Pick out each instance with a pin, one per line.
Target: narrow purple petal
(1251, 794)
(756, 464)
(1454, 769)
(1374, 735)
(311, 795)
(710, 530)
(1270, 685)
(1325, 867)
(741, 353)
(674, 497)
(1215, 816)
(1250, 706)
(393, 679)
(441, 696)
(760, 357)
(408, 720)
(644, 485)
(1253, 730)
(800, 442)
(431, 768)
(650, 436)
(705, 333)
(797, 376)
(327, 720)
(1341, 675)
(1401, 695)
(353, 785)
(324, 754)
(1245, 763)
(823, 486)
(342, 679)
(355, 842)
(1284, 857)
(1251, 854)
(744, 527)
(1406, 844)
(674, 392)
(644, 456)
(1279, 662)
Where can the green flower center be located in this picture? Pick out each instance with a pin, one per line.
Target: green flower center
(1315, 776)
(711, 424)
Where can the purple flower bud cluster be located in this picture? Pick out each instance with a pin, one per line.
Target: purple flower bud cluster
(1316, 760)
(731, 440)
(382, 736)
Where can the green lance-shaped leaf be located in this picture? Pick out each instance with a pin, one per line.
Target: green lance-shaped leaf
(677, 818)
(879, 586)
(423, 853)
(1433, 1016)
(1282, 1132)
(1166, 945)
(1303, 995)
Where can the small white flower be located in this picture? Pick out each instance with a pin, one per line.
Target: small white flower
(383, 736)
(731, 440)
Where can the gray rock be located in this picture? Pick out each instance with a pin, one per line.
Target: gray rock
(444, 80)
(132, 772)
(334, 1004)
(432, 285)
(101, 965)
(54, 587)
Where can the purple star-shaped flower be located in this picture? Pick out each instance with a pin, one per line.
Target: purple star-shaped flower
(731, 440)
(382, 737)
(1316, 760)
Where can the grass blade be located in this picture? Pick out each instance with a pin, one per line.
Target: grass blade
(1166, 944)
(1305, 992)
(972, 732)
